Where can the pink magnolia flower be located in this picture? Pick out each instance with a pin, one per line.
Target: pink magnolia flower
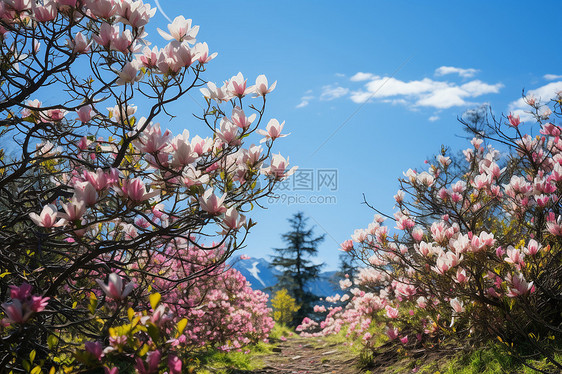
(212, 204)
(233, 220)
(79, 44)
(74, 209)
(149, 57)
(392, 333)
(404, 340)
(95, 348)
(134, 13)
(153, 360)
(417, 234)
(46, 12)
(84, 113)
(107, 33)
(514, 256)
(461, 276)
(130, 73)
(174, 364)
(23, 304)
(457, 305)
(102, 8)
(121, 42)
(391, 312)
(237, 86)
(513, 120)
(19, 5)
(202, 51)
(114, 370)
(86, 192)
(278, 168)
(519, 285)
(347, 246)
(244, 257)
(272, 131)
(240, 119)
(152, 140)
(228, 132)
(532, 248)
(180, 29)
(261, 87)
(114, 287)
(135, 190)
(49, 217)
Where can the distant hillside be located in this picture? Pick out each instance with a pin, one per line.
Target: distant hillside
(261, 275)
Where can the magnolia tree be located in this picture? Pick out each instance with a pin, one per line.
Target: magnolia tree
(476, 255)
(97, 201)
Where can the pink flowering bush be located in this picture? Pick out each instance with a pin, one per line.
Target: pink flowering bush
(476, 251)
(96, 195)
(221, 308)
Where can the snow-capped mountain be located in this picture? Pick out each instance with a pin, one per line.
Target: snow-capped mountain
(262, 276)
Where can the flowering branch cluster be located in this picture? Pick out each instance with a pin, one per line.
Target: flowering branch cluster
(93, 189)
(476, 255)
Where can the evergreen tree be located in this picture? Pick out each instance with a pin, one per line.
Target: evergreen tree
(297, 269)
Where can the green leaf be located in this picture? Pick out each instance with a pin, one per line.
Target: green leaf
(52, 341)
(36, 370)
(32, 356)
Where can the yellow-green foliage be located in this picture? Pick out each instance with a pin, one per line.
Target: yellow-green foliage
(284, 306)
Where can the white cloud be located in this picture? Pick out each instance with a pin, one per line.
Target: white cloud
(362, 77)
(331, 93)
(423, 93)
(552, 77)
(542, 94)
(339, 75)
(433, 118)
(464, 73)
(305, 100)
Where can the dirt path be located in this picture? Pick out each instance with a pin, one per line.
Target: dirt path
(299, 355)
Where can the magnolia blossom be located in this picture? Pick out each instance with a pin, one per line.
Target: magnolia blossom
(278, 167)
(237, 86)
(23, 304)
(519, 286)
(261, 87)
(114, 287)
(135, 190)
(272, 131)
(79, 44)
(233, 220)
(457, 305)
(180, 29)
(130, 73)
(74, 209)
(49, 217)
(211, 203)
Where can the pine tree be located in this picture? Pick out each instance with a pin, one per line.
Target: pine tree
(297, 269)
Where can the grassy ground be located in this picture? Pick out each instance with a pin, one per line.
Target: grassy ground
(250, 358)
(387, 359)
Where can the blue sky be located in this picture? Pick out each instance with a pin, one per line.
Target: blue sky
(369, 89)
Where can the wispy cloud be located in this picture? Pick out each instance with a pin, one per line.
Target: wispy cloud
(542, 94)
(433, 118)
(414, 94)
(425, 92)
(358, 77)
(305, 100)
(333, 92)
(552, 77)
(464, 73)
